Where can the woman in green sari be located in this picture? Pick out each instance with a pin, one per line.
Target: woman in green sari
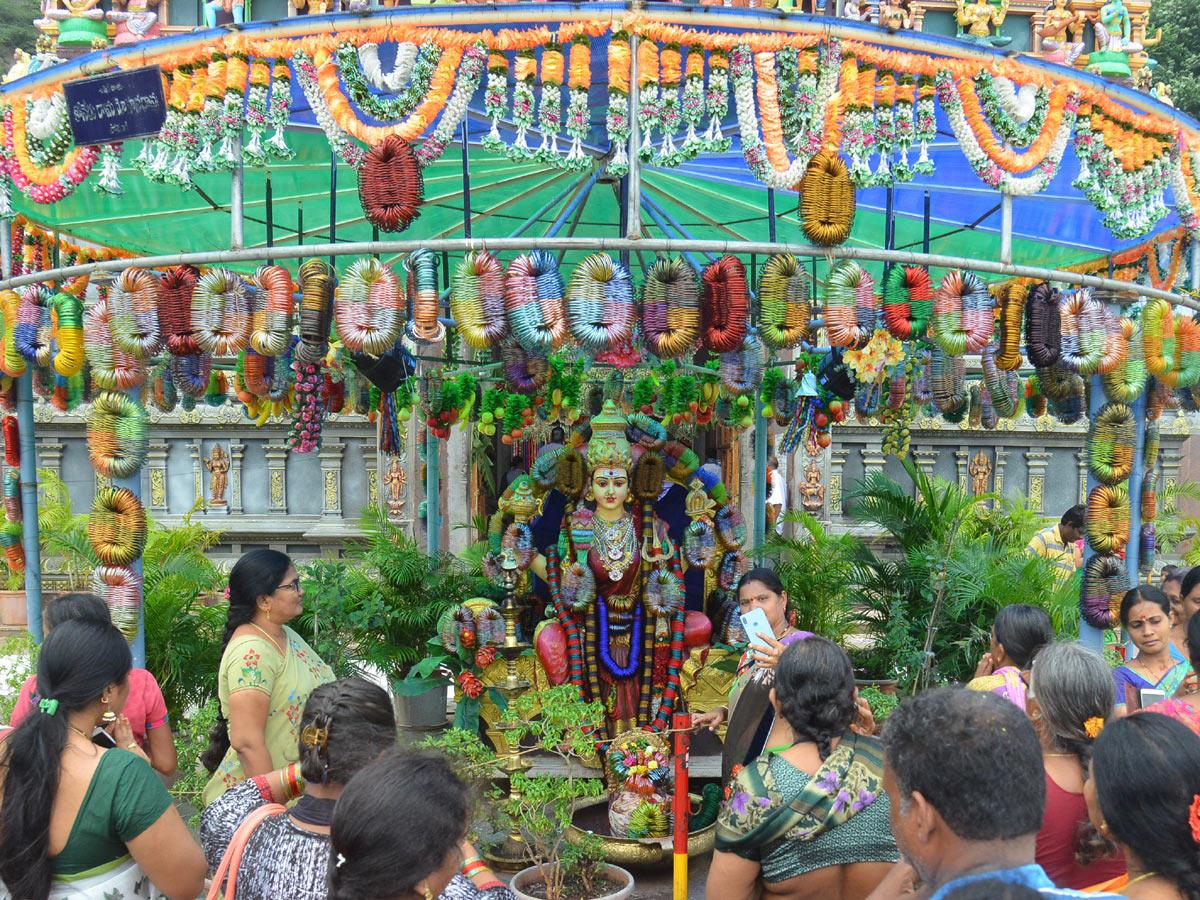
(808, 818)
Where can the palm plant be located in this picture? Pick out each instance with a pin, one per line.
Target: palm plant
(62, 534)
(930, 605)
(820, 572)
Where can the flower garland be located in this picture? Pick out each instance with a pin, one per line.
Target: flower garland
(406, 57)
(469, 73)
(691, 106)
(648, 95)
(617, 120)
(671, 75)
(278, 115)
(885, 126)
(999, 108)
(550, 107)
(349, 151)
(493, 99)
(716, 101)
(42, 185)
(47, 132)
(858, 83)
(994, 167)
(237, 72)
(210, 118)
(926, 124)
(579, 123)
(347, 59)
(904, 116)
(257, 111)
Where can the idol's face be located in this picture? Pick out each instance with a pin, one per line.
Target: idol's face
(610, 487)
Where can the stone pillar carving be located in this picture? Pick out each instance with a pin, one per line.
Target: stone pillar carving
(277, 455)
(370, 454)
(196, 450)
(458, 498)
(331, 454)
(998, 481)
(919, 18)
(926, 457)
(873, 458)
(1036, 22)
(1171, 461)
(1081, 463)
(962, 457)
(833, 496)
(50, 457)
(1035, 479)
(156, 465)
(236, 451)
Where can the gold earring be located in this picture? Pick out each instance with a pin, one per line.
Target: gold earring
(590, 496)
(268, 614)
(428, 892)
(108, 716)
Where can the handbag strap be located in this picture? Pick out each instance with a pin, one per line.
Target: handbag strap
(228, 869)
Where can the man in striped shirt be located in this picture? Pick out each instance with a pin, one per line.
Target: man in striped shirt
(1057, 543)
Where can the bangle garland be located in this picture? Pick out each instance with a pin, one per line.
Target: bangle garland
(1011, 299)
(317, 284)
(121, 590)
(947, 381)
(1187, 341)
(1043, 326)
(1104, 585)
(117, 435)
(477, 300)
(421, 270)
(11, 534)
(220, 313)
(670, 307)
(32, 315)
(1150, 447)
(175, 291)
(785, 304)
(1111, 443)
(827, 203)
(1001, 392)
(13, 363)
(724, 305)
(1150, 496)
(12, 497)
(524, 372)
(1146, 547)
(1084, 333)
(368, 311)
(534, 302)
(741, 369)
(12, 441)
(111, 367)
(1107, 522)
(271, 327)
(1116, 344)
(1158, 336)
(133, 313)
(191, 374)
(963, 320)
(68, 360)
(907, 301)
(846, 291)
(391, 186)
(601, 311)
(1127, 380)
(117, 526)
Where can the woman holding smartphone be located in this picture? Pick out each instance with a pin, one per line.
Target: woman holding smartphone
(750, 714)
(1155, 673)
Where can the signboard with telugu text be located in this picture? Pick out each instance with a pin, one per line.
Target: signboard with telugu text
(115, 107)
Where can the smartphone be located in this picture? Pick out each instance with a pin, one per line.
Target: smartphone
(754, 622)
(1150, 695)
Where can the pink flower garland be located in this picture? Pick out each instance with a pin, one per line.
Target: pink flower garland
(48, 193)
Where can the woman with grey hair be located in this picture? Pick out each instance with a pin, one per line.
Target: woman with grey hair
(1070, 698)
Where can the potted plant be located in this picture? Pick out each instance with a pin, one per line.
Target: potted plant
(13, 610)
(873, 668)
(881, 703)
(541, 807)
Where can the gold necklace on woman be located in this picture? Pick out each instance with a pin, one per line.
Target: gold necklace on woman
(1134, 881)
(264, 633)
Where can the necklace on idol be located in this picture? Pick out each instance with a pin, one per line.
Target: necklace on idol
(613, 541)
(635, 641)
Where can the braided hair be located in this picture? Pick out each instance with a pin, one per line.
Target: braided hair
(346, 724)
(814, 684)
(1147, 773)
(256, 574)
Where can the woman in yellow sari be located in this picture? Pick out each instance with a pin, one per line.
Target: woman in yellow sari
(267, 672)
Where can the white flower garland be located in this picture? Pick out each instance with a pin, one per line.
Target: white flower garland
(1183, 201)
(46, 116)
(406, 58)
(988, 171)
(470, 69)
(350, 151)
(109, 181)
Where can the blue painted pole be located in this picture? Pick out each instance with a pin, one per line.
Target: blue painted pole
(1133, 549)
(762, 436)
(1090, 636)
(134, 483)
(572, 206)
(649, 206)
(29, 505)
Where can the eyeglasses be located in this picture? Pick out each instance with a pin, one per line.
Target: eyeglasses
(293, 585)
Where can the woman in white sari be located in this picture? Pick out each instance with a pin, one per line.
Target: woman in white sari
(79, 820)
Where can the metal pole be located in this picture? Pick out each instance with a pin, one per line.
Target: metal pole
(1133, 549)
(270, 220)
(771, 215)
(623, 205)
(332, 204)
(466, 172)
(633, 203)
(1090, 636)
(237, 202)
(433, 494)
(926, 219)
(889, 220)
(1005, 228)
(29, 504)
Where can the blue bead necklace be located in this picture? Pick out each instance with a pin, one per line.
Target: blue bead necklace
(635, 642)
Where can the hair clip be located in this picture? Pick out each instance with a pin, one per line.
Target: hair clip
(312, 736)
(48, 706)
(340, 861)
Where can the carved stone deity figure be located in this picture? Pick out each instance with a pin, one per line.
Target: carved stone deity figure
(396, 481)
(859, 12)
(1114, 29)
(20, 66)
(235, 8)
(135, 20)
(978, 17)
(218, 465)
(812, 491)
(981, 473)
(893, 16)
(1062, 21)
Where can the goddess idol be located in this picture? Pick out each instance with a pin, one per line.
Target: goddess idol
(619, 629)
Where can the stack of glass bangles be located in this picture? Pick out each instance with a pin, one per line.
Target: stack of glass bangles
(368, 311)
(117, 526)
(534, 302)
(1107, 522)
(133, 313)
(111, 367)
(477, 300)
(963, 319)
(786, 307)
(601, 310)
(1011, 299)
(670, 307)
(1043, 326)
(1111, 443)
(117, 435)
(1104, 585)
(846, 290)
(724, 305)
